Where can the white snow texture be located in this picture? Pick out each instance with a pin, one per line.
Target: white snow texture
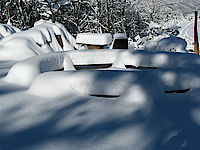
(144, 100)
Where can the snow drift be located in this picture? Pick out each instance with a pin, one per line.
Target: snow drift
(174, 71)
(173, 44)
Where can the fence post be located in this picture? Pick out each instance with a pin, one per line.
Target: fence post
(196, 41)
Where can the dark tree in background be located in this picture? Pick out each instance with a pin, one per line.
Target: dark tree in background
(22, 14)
(125, 16)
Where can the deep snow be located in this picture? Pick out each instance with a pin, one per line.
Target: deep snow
(62, 110)
(138, 103)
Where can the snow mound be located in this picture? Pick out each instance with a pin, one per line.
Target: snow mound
(35, 41)
(17, 49)
(165, 43)
(110, 83)
(172, 44)
(6, 30)
(114, 83)
(23, 72)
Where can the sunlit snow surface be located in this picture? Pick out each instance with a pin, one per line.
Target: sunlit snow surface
(42, 109)
(94, 38)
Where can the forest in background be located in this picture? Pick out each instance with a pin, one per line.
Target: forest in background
(132, 17)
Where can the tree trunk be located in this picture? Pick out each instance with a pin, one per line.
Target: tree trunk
(124, 8)
(99, 14)
(53, 18)
(7, 13)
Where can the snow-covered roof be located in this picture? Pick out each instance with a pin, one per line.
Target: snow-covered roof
(94, 38)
